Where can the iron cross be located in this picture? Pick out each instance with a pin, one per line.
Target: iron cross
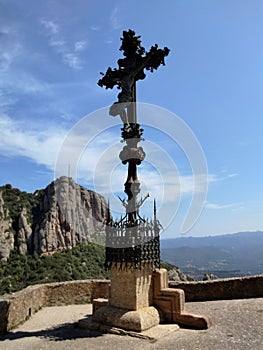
(131, 69)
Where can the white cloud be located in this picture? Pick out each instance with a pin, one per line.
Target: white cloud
(51, 26)
(80, 45)
(8, 55)
(72, 60)
(68, 51)
(97, 164)
(14, 77)
(232, 175)
(158, 174)
(5, 30)
(41, 146)
(114, 19)
(58, 44)
(5, 101)
(216, 206)
(94, 28)
(23, 83)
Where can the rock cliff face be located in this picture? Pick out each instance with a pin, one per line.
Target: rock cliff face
(68, 214)
(176, 274)
(57, 218)
(6, 233)
(24, 234)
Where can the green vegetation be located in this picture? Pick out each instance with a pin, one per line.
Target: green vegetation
(167, 266)
(82, 262)
(15, 200)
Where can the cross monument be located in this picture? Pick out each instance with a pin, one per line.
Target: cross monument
(139, 294)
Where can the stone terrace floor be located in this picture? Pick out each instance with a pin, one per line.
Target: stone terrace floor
(237, 325)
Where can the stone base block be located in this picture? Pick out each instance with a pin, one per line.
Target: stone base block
(171, 303)
(152, 334)
(193, 321)
(98, 303)
(135, 320)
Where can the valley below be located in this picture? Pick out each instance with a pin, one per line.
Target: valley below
(222, 256)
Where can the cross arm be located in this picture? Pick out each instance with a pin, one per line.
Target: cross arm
(152, 60)
(110, 79)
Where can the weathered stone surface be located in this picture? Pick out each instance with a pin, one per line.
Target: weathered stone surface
(137, 320)
(131, 289)
(64, 293)
(171, 302)
(50, 294)
(6, 234)
(98, 303)
(153, 334)
(209, 277)
(23, 304)
(66, 214)
(132, 296)
(227, 288)
(24, 234)
(16, 308)
(69, 214)
(100, 289)
(177, 275)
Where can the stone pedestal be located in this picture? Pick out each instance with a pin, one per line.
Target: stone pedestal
(131, 298)
(141, 299)
(131, 320)
(131, 289)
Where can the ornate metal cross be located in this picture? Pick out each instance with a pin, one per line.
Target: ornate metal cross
(131, 69)
(132, 241)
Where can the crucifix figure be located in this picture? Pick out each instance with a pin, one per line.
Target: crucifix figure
(131, 68)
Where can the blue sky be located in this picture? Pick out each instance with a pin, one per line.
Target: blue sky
(52, 53)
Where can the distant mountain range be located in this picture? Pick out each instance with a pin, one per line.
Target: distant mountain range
(228, 255)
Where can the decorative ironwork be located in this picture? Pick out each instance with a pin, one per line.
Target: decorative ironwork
(132, 241)
(132, 245)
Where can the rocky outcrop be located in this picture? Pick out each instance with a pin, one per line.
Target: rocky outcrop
(69, 214)
(6, 233)
(24, 234)
(209, 277)
(176, 274)
(53, 219)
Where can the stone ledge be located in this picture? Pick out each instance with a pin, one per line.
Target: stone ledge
(222, 289)
(16, 308)
(131, 320)
(153, 334)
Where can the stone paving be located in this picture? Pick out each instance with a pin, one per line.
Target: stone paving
(237, 325)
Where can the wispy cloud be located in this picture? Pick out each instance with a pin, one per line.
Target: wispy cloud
(97, 165)
(216, 206)
(158, 176)
(95, 28)
(8, 55)
(80, 46)
(23, 83)
(50, 25)
(72, 60)
(70, 52)
(5, 29)
(40, 146)
(115, 19)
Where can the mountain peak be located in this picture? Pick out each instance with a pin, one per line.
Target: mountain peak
(51, 219)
